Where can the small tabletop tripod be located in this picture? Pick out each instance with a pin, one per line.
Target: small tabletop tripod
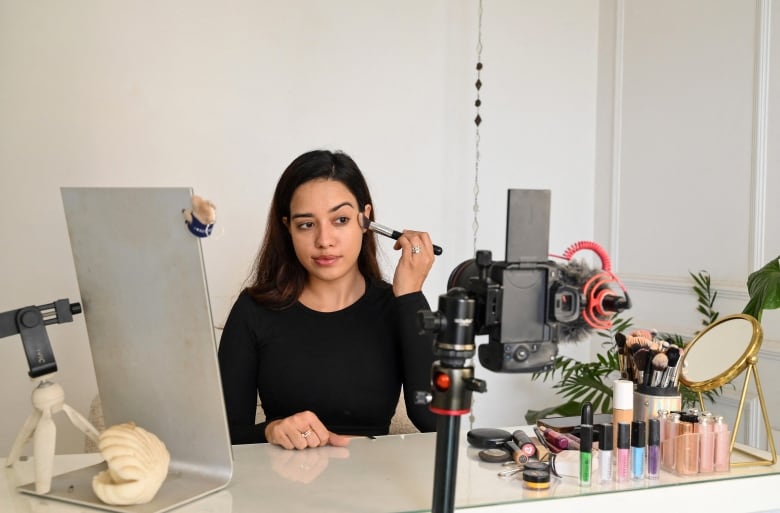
(48, 397)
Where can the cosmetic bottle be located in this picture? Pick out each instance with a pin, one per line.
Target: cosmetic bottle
(653, 448)
(706, 445)
(586, 444)
(687, 450)
(555, 439)
(605, 451)
(586, 413)
(722, 445)
(623, 405)
(663, 417)
(623, 444)
(706, 414)
(669, 446)
(638, 444)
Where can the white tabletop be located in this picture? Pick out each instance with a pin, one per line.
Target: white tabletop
(395, 474)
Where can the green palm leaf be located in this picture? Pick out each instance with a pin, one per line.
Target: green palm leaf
(764, 289)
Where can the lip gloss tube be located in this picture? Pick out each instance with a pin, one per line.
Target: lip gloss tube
(556, 439)
(686, 460)
(623, 443)
(722, 445)
(669, 448)
(605, 452)
(638, 444)
(706, 445)
(586, 444)
(654, 449)
(663, 417)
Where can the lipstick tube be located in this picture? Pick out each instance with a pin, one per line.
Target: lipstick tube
(524, 442)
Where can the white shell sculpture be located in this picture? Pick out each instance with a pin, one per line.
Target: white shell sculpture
(137, 465)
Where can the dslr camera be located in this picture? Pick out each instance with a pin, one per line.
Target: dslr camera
(528, 303)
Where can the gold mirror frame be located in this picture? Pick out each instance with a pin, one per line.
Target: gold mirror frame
(746, 363)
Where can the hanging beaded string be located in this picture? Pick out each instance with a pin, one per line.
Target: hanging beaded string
(477, 122)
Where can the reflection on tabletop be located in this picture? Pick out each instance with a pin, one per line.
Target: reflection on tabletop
(304, 466)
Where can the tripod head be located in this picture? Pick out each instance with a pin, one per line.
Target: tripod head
(30, 322)
(452, 376)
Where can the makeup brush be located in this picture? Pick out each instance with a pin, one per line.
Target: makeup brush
(641, 358)
(673, 355)
(647, 375)
(660, 363)
(620, 342)
(389, 232)
(676, 375)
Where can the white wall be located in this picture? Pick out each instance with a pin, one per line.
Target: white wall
(221, 96)
(688, 166)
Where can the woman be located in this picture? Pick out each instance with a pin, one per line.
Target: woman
(318, 333)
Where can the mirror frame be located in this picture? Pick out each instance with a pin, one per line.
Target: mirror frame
(736, 367)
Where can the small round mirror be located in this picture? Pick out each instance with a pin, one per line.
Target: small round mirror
(720, 352)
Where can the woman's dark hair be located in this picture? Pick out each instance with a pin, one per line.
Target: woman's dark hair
(278, 277)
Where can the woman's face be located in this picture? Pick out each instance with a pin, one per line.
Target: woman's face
(325, 229)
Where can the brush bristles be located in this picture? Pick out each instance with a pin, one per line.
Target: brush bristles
(647, 359)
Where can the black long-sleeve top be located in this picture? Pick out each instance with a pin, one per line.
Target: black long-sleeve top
(346, 366)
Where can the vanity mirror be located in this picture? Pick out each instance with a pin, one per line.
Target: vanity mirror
(720, 353)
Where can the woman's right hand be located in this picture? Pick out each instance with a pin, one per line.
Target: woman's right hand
(302, 430)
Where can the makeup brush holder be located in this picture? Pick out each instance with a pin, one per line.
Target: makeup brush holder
(649, 400)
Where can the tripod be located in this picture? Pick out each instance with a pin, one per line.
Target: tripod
(48, 398)
(453, 382)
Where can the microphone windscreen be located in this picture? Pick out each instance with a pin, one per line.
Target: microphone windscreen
(575, 273)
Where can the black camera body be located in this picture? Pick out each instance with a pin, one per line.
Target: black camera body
(525, 308)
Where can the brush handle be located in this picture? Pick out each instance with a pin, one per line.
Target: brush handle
(394, 234)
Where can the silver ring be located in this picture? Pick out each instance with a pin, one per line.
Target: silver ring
(306, 433)
(416, 249)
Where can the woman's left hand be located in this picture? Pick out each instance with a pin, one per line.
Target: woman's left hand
(415, 262)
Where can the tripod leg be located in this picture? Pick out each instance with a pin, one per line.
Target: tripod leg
(81, 423)
(446, 469)
(24, 434)
(43, 450)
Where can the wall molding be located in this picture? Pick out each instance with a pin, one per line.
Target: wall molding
(617, 130)
(679, 286)
(760, 131)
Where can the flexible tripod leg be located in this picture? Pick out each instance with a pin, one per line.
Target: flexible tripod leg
(43, 448)
(446, 465)
(81, 423)
(21, 439)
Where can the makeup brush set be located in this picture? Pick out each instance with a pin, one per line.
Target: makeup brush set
(651, 363)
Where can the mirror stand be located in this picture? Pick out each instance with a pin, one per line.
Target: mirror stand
(750, 368)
